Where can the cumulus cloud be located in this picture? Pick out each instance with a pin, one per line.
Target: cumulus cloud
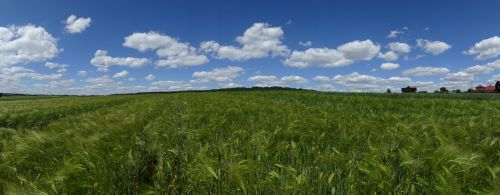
(62, 68)
(356, 81)
(231, 85)
(483, 69)
(77, 25)
(265, 81)
(174, 54)
(24, 44)
(321, 78)
(259, 41)
(485, 49)
(102, 61)
(324, 87)
(425, 71)
(360, 82)
(171, 86)
(389, 66)
(494, 78)
(433, 47)
(399, 47)
(388, 56)
(294, 79)
(100, 85)
(52, 65)
(53, 86)
(13, 74)
(271, 80)
(100, 80)
(458, 80)
(344, 55)
(121, 74)
(150, 77)
(395, 49)
(219, 75)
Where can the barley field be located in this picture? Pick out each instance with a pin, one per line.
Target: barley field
(251, 142)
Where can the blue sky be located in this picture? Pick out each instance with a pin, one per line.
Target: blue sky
(102, 47)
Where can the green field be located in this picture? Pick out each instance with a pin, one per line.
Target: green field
(251, 142)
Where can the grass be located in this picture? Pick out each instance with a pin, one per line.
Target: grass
(251, 142)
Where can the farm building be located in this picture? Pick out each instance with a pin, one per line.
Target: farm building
(487, 89)
(409, 89)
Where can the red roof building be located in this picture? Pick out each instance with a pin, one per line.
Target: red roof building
(487, 89)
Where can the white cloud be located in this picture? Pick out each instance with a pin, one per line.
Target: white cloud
(321, 78)
(344, 55)
(483, 69)
(52, 65)
(265, 81)
(356, 81)
(399, 80)
(399, 47)
(218, 75)
(231, 85)
(174, 54)
(479, 69)
(55, 85)
(171, 85)
(269, 81)
(294, 79)
(121, 74)
(360, 82)
(131, 79)
(150, 77)
(458, 76)
(62, 68)
(12, 75)
(389, 66)
(82, 73)
(388, 56)
(324, 87)
(458, 80)
(77, 25)
(494, 79)
(102, 61)
(395, 49)
(485, 49)
(359, 50)
(148, 41)
(261, 78)
(322, 57)
(100, 85)
(5, 34)
(305, 44)
(394, 33)
(433, 47)
(24, 44)
(259, 41)
(100, 80)
(425, 71)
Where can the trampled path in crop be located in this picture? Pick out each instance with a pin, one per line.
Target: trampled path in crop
(251, 142)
